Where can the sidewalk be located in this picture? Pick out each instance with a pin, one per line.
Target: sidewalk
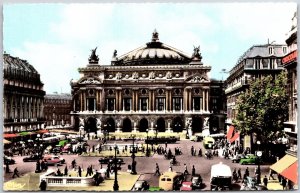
(30, 182)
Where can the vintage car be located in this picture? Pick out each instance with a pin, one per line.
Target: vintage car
(186, 186)
(236, 158)
(54, 160)
(249, 159)
(106, 160)
(8, 160)
(32, 158)
(140, 185)
(251, 184)
(196, 182)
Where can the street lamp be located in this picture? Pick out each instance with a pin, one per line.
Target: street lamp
(116, 186)
(147, 149)
(133, 165)
(258, 154)
(38, 145)
(156, 132)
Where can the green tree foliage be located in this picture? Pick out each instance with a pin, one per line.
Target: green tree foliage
(263, 108)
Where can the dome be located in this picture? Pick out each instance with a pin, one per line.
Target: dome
(154, 53)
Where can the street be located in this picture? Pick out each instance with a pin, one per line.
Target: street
(146, 165)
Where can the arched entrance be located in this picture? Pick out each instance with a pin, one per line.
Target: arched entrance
(177, 124)
(90, 125)
(161, 125)
(110, 125)
(143, 125)
(127, 125)
(197, 124)
(214, 124)
(76, 123)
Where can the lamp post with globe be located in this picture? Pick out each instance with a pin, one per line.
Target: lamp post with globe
(147, 141)
(116, 185)
(258, 154)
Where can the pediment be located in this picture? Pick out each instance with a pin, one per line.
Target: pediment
(197, 78)
(90, 80)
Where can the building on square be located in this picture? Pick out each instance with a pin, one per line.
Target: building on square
(152, 88)
(256, 62)
(57, 109)
(290, 64)
(23, 97)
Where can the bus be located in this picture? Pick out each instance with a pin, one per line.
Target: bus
(221, 177)
(208, 142)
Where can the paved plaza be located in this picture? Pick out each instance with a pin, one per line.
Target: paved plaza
(145, 168)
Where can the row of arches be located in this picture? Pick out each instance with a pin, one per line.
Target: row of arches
(177, 125)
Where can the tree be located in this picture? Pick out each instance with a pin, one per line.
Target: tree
(263, 108)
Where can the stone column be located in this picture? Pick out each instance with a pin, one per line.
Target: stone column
(120, 98)
(117, 101)
(136, 100)
(185, 99)
(207, 97)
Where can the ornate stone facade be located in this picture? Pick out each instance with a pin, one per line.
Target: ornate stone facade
(23, 96)
(155, 87)
(57, 109)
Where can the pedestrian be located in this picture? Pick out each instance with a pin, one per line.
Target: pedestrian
(239, 173)
(166, 145)
(6, 167)
(16, 172)
(170, 168)
(234, 175)
(79, 171)
(283, 183)
(290, 185)
(265, 180)
(66, 171)
(247, 171)
(200, 152)
(271, 174)
(73, 163)
(185, 170)
(43, 185)
(192, 150)
(193, 171)
(157, 170)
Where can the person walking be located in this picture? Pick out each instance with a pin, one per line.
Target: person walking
(283, 182)
(43, 185)
(73, 163)
(192, 150)
(247, 171)
(200, 152)
(16, 172)
(79, 171)
(265, 181)
(271, 173)
(239, 173)
(6, 167)
(185, 170)
(157, 170)
(66, 171)
(193, 171)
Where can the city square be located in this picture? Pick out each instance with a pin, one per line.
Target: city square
(152, 117)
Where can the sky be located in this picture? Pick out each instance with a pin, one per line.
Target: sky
(57, 38)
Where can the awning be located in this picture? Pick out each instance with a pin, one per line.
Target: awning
(236, 135)
(291, 173)
(230, 132)
(24, 133)
(6, 141)
(42, 131)
(10, 135)
(283, 163)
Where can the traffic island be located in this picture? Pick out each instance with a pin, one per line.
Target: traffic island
(31, 181)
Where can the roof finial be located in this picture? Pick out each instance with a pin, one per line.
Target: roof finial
(155, 36)
(93, 59)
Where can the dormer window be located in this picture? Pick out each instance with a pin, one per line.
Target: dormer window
(271, 50)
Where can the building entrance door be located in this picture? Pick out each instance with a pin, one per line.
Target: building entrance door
(143, 125)
(127, 127)
(197, 124)
(90, 125)
(177, 124)
(161, 125)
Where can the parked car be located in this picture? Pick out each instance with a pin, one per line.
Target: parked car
(54, 160)
(32, 158)
(106, 160)
(8, 160)
(66, 148)
(56, 149)
(196, 181)
(186, 186)
(236, 158)
(249, 159)
(140, 185)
